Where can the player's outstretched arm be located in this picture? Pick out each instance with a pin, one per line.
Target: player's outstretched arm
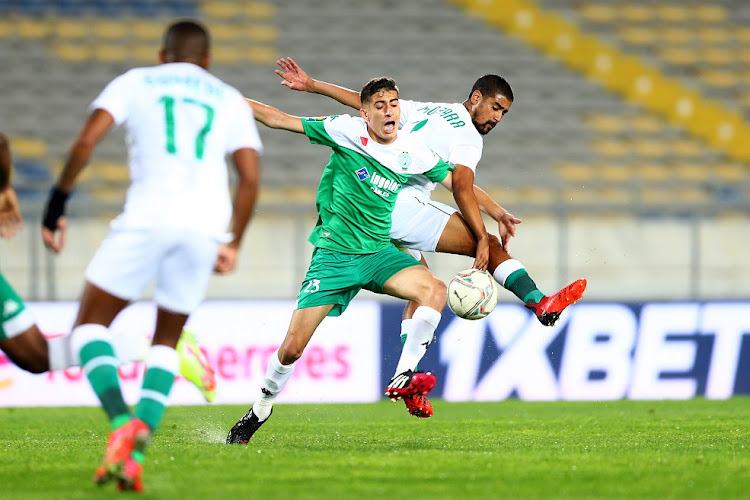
(462, 184)
(295, 78)
(275, 118)
(247, 163)
(54, 224)
(506, 221)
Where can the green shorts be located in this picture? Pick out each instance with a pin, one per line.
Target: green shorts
(335, 277)
(14, 317)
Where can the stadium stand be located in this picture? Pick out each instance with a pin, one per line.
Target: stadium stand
(618, 105)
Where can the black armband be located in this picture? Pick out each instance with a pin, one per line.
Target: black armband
(55, 208)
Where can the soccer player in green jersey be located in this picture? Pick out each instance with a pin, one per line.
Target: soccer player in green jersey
(455, 131)
(370, 162)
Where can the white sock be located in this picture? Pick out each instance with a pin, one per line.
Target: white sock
(277, 376)
(61, 354)
(423, 324)
(405, 329)
(129, 349)
(505, 269)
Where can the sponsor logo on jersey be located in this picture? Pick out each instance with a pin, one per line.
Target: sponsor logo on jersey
(419, 125)
(362, 173)
(404, 160)
(383, 187)
(363, 140)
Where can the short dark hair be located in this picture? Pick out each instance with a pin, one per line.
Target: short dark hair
(491, 85)
(186, 41)
(376, 85)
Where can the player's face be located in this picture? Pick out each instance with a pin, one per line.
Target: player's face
(486, 112)
(382, 115)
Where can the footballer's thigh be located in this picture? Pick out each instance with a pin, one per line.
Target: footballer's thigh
(417, 283)
(457, 237)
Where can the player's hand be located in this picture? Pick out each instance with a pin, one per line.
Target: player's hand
(55, 240)
(292, 75)
(506, 226)
(482, 259)
(10, 213)
(226, 259)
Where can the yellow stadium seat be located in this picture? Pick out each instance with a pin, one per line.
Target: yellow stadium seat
(671, 35)
(598, 13)
(714, 36)
(606, 123)
(638, 36)
(69, 29)
(673, 13)
(647, 124)
(692, 172)
(7, 28)
(651, 148)
(259, 55)
(686, 148)
(611, 148)
(678, 56)
(33, 29)
(110, 30)
(711, 13)
(259, 10)
(261, 33)
(730, 172)
(73, 52)
(636, 13)
(652, 172)
(28, 147)
(146, 30)
(112, 53)
(718, 56)
(223, 10)
(576, 173)
(724, 79)
(741, 33)
(616, 174)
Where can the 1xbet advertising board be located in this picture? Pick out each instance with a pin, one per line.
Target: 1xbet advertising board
(595, 352)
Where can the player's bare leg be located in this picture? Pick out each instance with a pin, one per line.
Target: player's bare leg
(302, 326)
(457, 238)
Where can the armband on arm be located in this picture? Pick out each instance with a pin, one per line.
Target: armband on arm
(55, 208)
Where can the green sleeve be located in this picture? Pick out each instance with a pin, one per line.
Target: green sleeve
(439, 171)
(315, 130)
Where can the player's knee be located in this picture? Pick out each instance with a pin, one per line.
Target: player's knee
(289, 353)
(438, 294)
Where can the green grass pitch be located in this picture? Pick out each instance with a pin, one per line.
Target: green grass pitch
(511, 449)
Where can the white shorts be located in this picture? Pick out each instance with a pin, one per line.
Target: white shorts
(417, 224)
(180, 261)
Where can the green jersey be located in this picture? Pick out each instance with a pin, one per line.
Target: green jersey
(358, 189)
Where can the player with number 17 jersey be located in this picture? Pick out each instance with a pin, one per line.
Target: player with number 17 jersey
(181, 122)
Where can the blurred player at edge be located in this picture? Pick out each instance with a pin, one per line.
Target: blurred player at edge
(181, 123)
(421, 224)
(370, 162)
(24, 344)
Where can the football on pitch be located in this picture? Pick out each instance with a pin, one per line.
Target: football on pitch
(472, 294)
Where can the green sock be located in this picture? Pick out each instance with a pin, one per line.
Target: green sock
(100, 366)
(162, 362)
(520, 283)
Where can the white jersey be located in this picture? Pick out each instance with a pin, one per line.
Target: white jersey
(181, 122)
(446, 128)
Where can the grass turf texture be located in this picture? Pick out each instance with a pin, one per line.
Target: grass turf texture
(511, 449)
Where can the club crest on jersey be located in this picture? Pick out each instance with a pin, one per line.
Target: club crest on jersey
(404, 160)
(362, 173)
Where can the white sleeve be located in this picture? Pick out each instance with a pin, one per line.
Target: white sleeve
(243, 133)
(467, 155)
(407, 110)
(114, 98)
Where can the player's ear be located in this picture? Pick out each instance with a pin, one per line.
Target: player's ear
(363, 113)
(476, 97)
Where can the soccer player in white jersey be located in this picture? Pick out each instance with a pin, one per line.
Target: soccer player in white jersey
(370, 162)
(455, 132)
(26, 346)
(181, 122)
